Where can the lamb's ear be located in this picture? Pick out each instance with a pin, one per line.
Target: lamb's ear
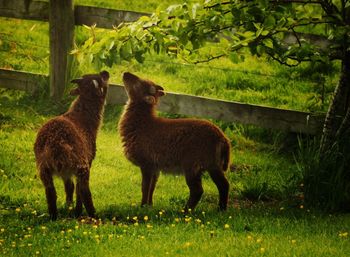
(104, 75)
(77, 81)
(160, 91)
(74, 91)
(149, 99)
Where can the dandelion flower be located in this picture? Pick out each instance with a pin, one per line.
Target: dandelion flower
(187, 244)
(43, 228)
(249, 237)
(293, 241)
(145, 218)
(135, 218)
(18, 209)
(344, 234)
(84, 233)
(259, 240)
(2, 230)
(262, 249)
(226, 226)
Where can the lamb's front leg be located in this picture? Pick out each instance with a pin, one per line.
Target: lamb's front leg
(69, 188)
(149, 180)
(154, 180)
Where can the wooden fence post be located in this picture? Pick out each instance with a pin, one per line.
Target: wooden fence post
(61, 19)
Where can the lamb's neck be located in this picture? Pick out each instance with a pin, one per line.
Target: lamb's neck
(87, 113)
(140, 112)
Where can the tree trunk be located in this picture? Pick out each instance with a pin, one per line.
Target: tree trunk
(335, 118)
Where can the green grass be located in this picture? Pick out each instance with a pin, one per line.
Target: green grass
(277, 226)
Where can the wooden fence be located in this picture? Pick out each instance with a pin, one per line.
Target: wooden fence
(63, 15)
(266, 117)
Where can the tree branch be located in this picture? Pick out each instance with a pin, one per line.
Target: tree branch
(283, 62)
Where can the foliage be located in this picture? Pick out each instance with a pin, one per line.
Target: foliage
(186, 30)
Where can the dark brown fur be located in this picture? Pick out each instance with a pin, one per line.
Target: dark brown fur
(66, 145)
(183, 146)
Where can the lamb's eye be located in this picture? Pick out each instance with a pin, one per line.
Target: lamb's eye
(152, 90)
(95, 83)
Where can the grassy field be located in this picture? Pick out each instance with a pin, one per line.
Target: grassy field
(266, 215)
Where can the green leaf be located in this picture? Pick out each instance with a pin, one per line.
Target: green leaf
(268, 43)
(269, 21)
(265, 32)
(234, 57)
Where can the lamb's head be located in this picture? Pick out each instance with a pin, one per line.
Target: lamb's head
(92, 86)
(140, 90)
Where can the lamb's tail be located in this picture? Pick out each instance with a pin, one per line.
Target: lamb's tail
(223, 154)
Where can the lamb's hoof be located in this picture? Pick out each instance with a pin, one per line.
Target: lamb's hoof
(77, 213)
(53, 216)
(222, 208)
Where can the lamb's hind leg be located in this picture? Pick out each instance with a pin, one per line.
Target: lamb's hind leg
(51, 197)
(83, 193)
(223, 186)
(194, 182)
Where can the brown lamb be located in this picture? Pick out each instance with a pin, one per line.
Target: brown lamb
(182, 146)
(66, 145)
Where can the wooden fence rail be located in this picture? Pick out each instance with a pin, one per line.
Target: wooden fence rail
(266, 117)
(88, 15)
